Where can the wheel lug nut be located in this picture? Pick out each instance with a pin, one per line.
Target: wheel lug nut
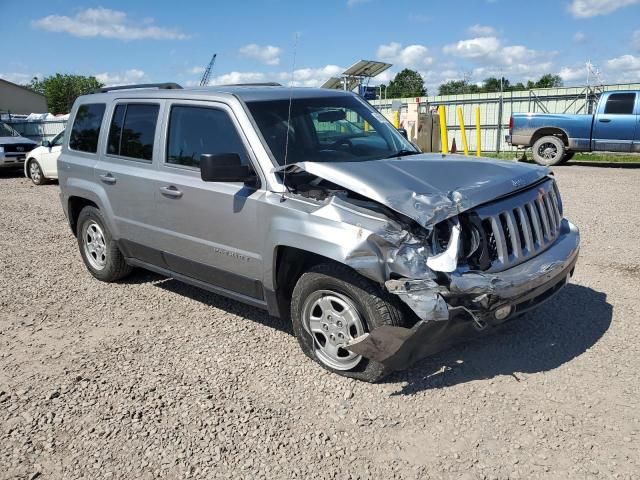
(325, 327)
(340, 335)
(329, 317)
(339, 324)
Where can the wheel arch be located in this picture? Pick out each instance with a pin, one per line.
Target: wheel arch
(550, 132)
(75, 205)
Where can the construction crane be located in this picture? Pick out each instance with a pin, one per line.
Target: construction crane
(204, 81)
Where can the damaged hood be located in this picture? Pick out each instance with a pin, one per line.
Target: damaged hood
(428, 188)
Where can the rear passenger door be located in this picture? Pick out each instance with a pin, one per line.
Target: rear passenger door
(126, 169)
(615, 123)
(209, 231)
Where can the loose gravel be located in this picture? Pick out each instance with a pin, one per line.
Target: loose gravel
(150, 378)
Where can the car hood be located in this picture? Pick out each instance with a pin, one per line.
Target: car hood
(428, 187)
(11, 140)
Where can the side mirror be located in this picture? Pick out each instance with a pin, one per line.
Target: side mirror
(403, 132)
(46, 143)
(224, 167)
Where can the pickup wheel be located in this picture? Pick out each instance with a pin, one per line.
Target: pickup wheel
(330, 305)
(99, 251)
(548, 151)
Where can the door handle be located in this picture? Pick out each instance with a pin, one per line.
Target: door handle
(604, 120)
(108, 178)
(170, 191)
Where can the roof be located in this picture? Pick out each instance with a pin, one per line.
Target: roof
(21, 86)
(247, 93)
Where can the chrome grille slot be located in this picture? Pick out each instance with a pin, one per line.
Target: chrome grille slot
(519, 227)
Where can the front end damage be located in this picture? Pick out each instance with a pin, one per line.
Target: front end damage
(462, 260)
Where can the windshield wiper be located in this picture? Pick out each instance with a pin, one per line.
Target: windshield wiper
(402, 153)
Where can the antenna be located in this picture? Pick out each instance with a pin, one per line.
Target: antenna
(204, 81)
(286, 142)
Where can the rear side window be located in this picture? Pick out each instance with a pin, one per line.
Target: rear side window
(620, 103)
(197, 130)
(133, 128)
(86, 128)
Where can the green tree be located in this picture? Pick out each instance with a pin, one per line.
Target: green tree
(549, 81)
(407, 83)
(457, 87)
(62, 90)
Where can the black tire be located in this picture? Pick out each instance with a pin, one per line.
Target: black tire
(548, 151)
(567, 156)
(375, 307)
(115, 267)
(38, 177)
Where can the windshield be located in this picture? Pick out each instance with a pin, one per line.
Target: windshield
(327, 129)
(7, 131)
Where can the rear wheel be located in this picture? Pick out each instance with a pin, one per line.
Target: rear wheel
(330, 305)
(99, 251)
(35, 173)
(548, 151)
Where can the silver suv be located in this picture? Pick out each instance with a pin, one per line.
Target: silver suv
(309, 204)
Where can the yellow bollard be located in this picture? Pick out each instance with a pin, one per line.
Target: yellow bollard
(463, 132)
(444, 140)
(396, 119)
(478, 138)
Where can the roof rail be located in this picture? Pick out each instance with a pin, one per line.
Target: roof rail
(263, 84)
(162, 86)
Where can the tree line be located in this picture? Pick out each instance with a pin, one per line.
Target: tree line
(409, 83)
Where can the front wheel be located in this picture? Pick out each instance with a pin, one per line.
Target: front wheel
(548, 151)
(331, 305)
(35, 173)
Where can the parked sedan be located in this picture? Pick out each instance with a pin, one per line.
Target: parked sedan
(42, 162)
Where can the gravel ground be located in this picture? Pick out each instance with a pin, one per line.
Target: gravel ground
(150, 378)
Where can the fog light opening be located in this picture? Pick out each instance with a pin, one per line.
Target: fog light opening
(503, 312)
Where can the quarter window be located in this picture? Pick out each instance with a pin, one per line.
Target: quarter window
(133, 128)
(620, 103)
(86, 128)
(197, 130)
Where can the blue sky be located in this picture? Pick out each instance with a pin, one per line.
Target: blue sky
(128, 42)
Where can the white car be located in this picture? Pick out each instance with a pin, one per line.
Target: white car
(41, 164)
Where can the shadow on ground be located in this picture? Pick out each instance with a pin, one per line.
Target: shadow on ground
(12, 173)
(546, 338)
(208, 298)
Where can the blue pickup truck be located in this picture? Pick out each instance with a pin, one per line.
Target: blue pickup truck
(554, 138)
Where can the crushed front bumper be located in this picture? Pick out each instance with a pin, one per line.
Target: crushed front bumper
(468, 303)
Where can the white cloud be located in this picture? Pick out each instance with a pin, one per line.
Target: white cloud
(592, 8)
(103, 22)
(412, 56)
(481, 30)
(267, 54)
(579, 37)
(625, 68)
(19, 78)
(303, 77)
(573, 74)
(478, 47)
(492, 58)
(128, 77)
